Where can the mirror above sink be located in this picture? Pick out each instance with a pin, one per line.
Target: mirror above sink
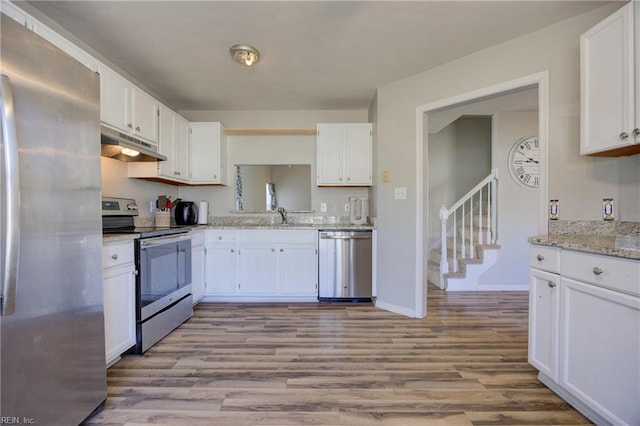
(265, 187)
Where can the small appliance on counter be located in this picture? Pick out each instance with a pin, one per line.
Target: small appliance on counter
(186, 213)
(358, 210)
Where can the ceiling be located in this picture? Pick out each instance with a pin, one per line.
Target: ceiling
(314, 54)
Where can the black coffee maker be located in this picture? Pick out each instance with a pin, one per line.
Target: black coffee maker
(186, 213)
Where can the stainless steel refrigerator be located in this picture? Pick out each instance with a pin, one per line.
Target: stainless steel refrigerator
(52, 369)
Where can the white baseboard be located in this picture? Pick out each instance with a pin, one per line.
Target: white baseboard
(395, 309)
(252, 299)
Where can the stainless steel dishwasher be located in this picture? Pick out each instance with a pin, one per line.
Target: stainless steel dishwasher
(345, 266)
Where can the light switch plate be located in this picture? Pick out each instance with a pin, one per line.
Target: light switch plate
(607, 209)
(323, 207)
(385, 176)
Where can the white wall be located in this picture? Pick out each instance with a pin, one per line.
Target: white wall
(459, 156)
(273, 149)
(115, 183)
(554, 48)
(518, 207)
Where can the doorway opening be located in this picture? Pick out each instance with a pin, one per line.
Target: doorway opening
(483, 102)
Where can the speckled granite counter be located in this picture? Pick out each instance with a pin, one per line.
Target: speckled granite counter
(611, 239)
(279, 227)
(112, 238)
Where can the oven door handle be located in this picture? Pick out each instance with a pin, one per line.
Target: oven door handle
(160, 241)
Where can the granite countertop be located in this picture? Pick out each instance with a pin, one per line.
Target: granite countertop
(110, 238)
(622, 242)
(292, 226)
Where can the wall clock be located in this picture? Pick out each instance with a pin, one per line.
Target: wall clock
(524, 162)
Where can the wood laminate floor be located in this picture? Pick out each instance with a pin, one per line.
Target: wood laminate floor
(340, 364)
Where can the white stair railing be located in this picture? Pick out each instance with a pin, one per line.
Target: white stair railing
(483, 194)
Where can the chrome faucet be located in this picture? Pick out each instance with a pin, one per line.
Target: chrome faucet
(283, 213)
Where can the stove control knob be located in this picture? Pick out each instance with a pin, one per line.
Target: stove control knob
(132, 206)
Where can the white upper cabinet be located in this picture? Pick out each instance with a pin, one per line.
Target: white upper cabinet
(174, 144)
(126, 107)
(208, 154)
(344, 154)
(610, 108)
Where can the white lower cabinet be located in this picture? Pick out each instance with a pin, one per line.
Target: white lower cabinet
(197, 266)
(543, 322)
(584, 331)
(119, 292)
(600, 364)
(261, 265)
(221, 260)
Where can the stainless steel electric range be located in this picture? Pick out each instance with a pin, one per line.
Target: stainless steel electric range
(163, 264)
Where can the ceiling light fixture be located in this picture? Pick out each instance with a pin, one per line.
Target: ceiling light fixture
(245, 54)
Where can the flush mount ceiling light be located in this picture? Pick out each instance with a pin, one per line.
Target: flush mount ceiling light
(245, 54)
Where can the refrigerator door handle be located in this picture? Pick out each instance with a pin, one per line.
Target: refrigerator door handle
(9, 142)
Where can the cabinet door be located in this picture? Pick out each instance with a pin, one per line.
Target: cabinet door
(197, 273)
(114, 105)
(543, 322)
(145, 115)
(297, 270)
(119, 310)
(257, 269)
(599, 342)
(330, 154)
(359, 154)
(636, 23)
(167, 142)
(181, 153)
(607, 83)
(205, 153)
(220, 270)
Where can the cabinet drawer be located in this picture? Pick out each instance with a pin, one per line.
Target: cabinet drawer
(220, 236)
(117, 254)
(291, 236)
(612, 272)
(545, 258)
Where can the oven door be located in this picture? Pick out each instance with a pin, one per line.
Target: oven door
(164, 267)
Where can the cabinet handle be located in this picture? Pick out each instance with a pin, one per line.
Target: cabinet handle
(215, 176)
(624, 135)
(129, 125)
(273, 249)
(135, 272)
(281, 250)
(636, 131)
(597, 271)
(220, 237)
(540, 258)
(137, 128)
(551, 284)
(114, 256)
(233, 251)
(340, 179)
(348, 179)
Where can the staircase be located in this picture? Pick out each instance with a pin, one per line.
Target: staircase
(468, 237)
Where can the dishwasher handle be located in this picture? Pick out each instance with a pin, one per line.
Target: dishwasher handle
(343, 236)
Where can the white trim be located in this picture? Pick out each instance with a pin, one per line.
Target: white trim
(400, 310)
(541, 81)
(420, 295)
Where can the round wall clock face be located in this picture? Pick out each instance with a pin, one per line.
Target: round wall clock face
(524, 162)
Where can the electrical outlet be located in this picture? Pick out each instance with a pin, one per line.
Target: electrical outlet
(323, 207)
(385, 176)
(346, 207)
(152, 206)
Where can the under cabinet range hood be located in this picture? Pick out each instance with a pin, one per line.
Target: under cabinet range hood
(123, 147)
